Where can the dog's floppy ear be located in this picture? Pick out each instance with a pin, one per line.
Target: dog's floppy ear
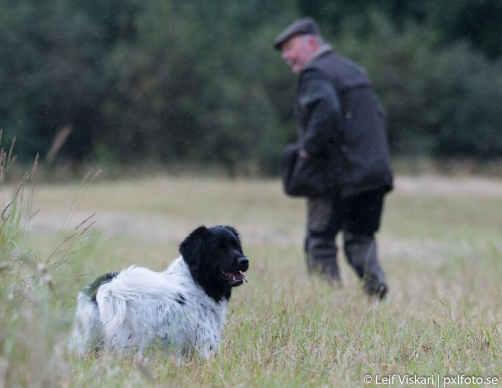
(233, 231)
(192, 247)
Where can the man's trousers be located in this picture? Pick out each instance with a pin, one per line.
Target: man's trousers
(358, 218)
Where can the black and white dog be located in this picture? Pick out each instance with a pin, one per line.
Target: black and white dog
(182, 308)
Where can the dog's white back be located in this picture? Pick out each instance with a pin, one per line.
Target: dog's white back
(139, 307)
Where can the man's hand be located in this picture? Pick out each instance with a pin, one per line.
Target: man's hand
(303, 154)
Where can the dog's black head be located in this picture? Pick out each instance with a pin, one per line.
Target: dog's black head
(215, 258)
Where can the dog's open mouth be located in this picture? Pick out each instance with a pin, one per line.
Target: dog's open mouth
(235, 278)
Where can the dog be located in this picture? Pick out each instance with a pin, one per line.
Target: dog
(182, 308)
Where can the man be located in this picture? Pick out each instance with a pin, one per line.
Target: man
(341, 123)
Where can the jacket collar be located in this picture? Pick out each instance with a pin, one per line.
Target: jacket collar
(323, 49)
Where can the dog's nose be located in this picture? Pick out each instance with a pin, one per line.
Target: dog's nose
(243, 263)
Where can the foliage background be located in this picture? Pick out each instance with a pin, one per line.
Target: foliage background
(198, 82)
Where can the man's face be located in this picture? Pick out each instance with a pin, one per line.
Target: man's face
(298, 50)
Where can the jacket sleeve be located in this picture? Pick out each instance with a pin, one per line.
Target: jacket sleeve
(321, 108)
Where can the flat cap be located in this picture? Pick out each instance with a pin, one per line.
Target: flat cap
(299, 27)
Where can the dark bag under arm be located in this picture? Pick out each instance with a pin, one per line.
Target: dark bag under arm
(303, 177)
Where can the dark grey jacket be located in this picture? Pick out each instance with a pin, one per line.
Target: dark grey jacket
(341, 122)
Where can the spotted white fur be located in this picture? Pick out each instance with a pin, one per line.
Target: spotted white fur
(139, 307)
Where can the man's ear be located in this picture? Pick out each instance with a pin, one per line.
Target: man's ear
(193, 246)
(313, 42)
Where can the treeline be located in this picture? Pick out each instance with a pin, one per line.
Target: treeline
(197, 81)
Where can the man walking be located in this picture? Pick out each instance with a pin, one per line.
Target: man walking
(341, 123)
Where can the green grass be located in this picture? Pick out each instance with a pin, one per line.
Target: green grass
(442, 253)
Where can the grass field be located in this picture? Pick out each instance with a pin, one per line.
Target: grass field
(440, 244)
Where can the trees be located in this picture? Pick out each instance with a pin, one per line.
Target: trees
(53, 56)
(198, 81)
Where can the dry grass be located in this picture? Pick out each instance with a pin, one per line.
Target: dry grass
(440, 247)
